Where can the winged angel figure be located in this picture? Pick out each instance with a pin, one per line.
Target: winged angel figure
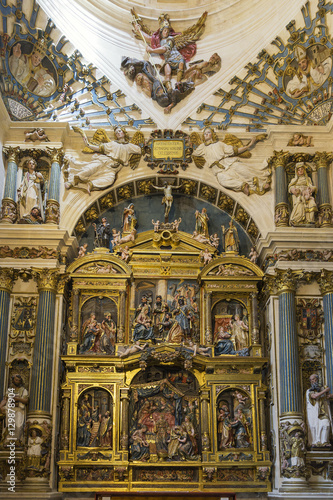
(100, 172)
(223, 158)
(175, 50)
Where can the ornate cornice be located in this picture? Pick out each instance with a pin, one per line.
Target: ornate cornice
(7, 278)
(46, 279)
(325, 281)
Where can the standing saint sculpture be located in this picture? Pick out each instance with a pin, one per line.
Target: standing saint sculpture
(167, 198)
(100, 172)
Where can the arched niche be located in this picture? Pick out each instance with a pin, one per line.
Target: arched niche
(94, 419)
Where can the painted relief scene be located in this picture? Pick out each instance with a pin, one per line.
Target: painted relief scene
(167, 311)
(309, 69)
(164, 416)
(231, 328)
(98, 326)
(94, 419)
(30, 67)
(234, 421)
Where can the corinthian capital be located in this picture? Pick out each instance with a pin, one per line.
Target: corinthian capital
(322, 159)
(12, 154)
(7, 278)
(46, 279)
(325, 281)
(56, 155)
(279, 159)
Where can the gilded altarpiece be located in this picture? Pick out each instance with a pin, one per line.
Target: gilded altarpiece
(162, 381)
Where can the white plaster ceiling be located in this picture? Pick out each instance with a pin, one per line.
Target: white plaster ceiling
(236, 29)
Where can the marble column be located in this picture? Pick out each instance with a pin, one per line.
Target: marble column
(323, 160)
(291, 404)
(279, 162)
(8, 206)
(42, 368)
(290, 382)
(7, 277)
(326, 288)
(52, 212)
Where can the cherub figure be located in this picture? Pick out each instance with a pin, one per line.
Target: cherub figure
(156, 225)
(300, 140)
(214, 240)
(125, 254)
(253, 255)
(83, 250)
(176, 223)
(206, 256)
(115, 237)
(36, 134)
(132, 349)
(200, 237)
(100, 172)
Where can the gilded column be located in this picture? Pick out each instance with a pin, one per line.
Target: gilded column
(41, 377)
(7, 278)
(124, 399)
(66, 396)
(208, 333)
(290, 383)
(122, 310)
(8, 207)
(323, 161)
(279, 162)
(52, 212)
(205, 439)
(263, 435)
(326, 288)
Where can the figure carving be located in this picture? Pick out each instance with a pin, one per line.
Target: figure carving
(28, 70)
(231, 240)
(300, 140)
(30, 191)
(302, 190)
(102, 234)
(100, 172)
(221, 156)
(167, 198)
(318, 413)
(19, 394)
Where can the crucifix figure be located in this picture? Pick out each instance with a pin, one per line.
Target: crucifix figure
(167, 198)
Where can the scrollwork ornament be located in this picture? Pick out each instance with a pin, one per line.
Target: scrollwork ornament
(46, 279)
(7, 278)
(52, 212)
(325, 281)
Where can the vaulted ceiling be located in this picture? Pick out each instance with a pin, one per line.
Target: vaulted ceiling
(87, 40)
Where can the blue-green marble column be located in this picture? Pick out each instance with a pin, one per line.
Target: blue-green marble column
(52, 211)
(290, 382)
(8, 206)
(7, 277)
(278, 162)
(326, 288)
(323, 161)
(42, 367)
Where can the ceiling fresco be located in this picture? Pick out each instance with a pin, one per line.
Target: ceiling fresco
(45, 77)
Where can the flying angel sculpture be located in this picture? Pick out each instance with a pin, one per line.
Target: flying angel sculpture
(223, 158)
(111, 156)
